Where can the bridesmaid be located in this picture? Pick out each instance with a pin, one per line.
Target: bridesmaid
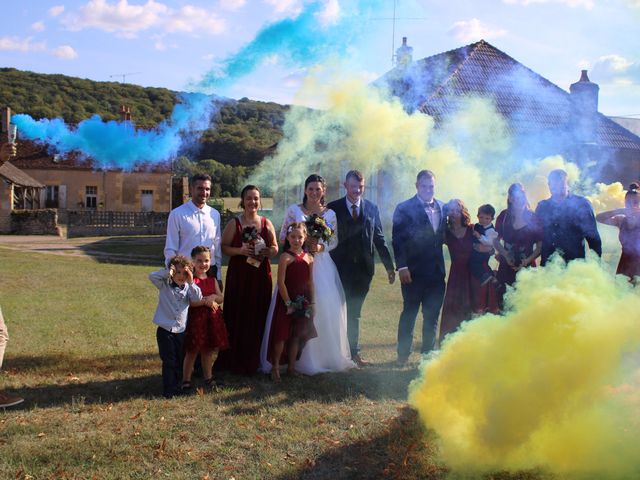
(627, 219)
(459, 240)
(519, 239)
(248, 288)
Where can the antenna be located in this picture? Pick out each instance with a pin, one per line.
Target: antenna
(393, 28)
(124, 75)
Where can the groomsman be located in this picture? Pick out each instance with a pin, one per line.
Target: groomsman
(359, 230)
(418, 236)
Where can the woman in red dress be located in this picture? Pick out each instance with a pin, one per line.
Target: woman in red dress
(459, 240)
(628, 221)
(248, 284)
(519, 238)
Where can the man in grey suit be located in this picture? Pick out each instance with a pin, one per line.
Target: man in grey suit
(359, 230)
(418, 236)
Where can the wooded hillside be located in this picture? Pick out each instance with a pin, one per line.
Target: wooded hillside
(241, 132)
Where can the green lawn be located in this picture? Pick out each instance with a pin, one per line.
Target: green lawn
(83, 354)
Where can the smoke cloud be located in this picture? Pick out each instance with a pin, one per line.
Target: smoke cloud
(118, 144)
(321, 30)
(554, 383)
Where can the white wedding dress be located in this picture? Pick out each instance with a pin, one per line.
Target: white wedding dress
(329, 351)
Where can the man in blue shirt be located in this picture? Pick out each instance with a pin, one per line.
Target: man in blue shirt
(568, 220)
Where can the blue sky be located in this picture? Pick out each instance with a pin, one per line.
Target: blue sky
(173, 43)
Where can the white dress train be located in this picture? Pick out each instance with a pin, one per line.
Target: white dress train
(329, 351)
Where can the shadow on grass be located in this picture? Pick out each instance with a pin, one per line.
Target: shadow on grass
(127, 250)
(402, 450)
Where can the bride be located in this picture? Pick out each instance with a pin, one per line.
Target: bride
(329, 351)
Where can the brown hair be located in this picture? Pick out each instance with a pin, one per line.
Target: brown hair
(180, 260)
(357, 174)
(314, 177)
(198, 177)
(425, 173)
(487, 209)
(464, 212)
(200, 249)
(246, 189)
(294, 226)
(632, 194)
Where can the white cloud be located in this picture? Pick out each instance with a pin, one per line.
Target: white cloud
(588, 4)
(21, 44)
(208, 56)
(65, 52)
(615, 69)
(37, 26)
(287, 7)
(190, 19)
(232, 4)
(126, 20)
(57, 10)
(330, 13)
(473, 30)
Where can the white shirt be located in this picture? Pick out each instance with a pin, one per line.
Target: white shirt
(433, 214)
(189, 226)
(357, 204)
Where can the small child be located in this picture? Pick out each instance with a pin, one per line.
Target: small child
(206, 332)
(176, 290)
(292, 319)
(483, 236)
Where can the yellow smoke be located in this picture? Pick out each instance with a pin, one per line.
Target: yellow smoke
(607, 197)
(551, 384)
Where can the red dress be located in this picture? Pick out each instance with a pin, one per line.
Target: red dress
(206, 330)
(283, 326)
(457, 299)
(519, 242)
(629, 236)
(247, 296)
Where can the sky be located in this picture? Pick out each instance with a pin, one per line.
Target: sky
(184, 44)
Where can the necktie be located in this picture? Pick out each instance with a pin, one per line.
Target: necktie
(354, 211)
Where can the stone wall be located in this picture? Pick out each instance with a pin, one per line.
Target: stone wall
(35, 222)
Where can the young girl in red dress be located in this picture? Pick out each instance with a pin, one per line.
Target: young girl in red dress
(291, 325)
(206, 332)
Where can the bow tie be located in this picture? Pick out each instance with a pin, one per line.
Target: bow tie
(430, 205)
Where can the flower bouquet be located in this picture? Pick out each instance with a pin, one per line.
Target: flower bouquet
(302, 307)
(318, 229)
(251, 236)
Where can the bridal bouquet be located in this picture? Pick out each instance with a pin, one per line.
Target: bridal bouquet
(251, 236)
(318, 228)
(302, 307)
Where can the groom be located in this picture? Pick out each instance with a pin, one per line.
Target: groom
(359, 229)
(418, 236)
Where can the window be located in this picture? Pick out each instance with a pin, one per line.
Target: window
(146, 200)
(51, 196)
(91, 197)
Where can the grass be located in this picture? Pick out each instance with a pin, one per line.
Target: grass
(83, 354)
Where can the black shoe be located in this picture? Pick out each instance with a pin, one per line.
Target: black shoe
(186, 389)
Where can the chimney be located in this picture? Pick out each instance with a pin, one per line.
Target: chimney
(125, 113)
(584, 95)
(404, 54)
(5, 119)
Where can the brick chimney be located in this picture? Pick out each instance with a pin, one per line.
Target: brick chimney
(584, 95)
(125, 113)
(404, 54)
(5, 120)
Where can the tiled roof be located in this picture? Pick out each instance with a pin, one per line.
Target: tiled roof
(17, 176)
(32, 155)
(437, 86)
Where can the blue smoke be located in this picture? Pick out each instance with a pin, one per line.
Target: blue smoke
(303, 41)
(118, 144)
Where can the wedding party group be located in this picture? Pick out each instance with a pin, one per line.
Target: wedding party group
(310, 322)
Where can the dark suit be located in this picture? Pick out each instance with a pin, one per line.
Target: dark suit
(417, 247)
(354, 258)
